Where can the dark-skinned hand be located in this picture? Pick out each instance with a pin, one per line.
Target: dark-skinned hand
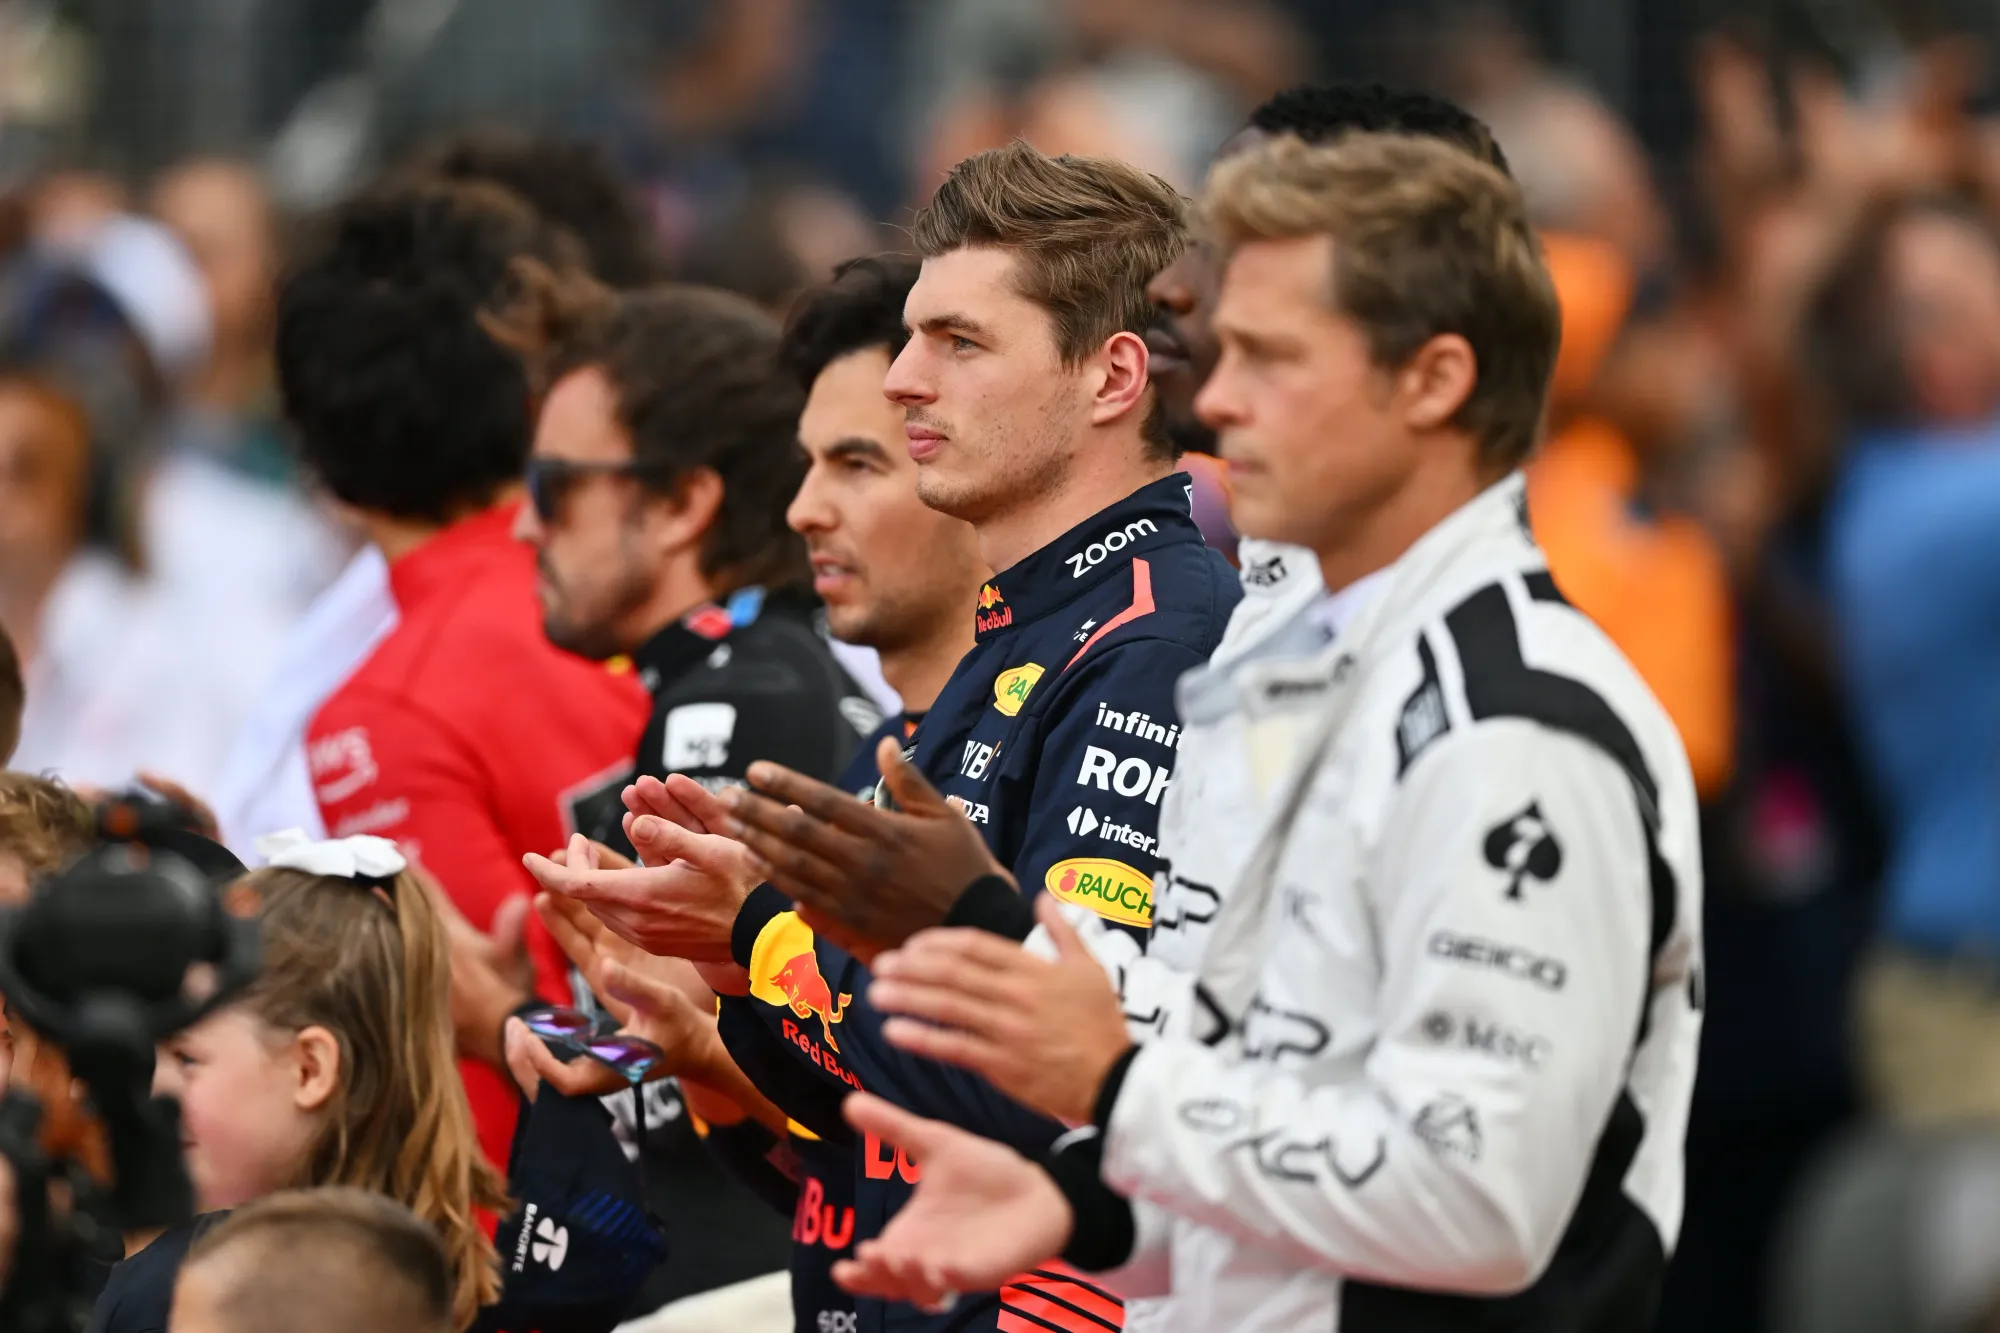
(867, 877)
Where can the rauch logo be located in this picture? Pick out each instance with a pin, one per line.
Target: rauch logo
(1109, 888)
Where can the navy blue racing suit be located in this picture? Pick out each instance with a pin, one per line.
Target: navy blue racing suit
(1056, 736)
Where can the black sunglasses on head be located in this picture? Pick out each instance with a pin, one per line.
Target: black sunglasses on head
(550, 480)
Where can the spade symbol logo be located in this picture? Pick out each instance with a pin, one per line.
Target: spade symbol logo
(1522, 847)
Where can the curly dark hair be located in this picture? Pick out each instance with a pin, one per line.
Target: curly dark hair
(699, 385)
(861, 307)
(1319, 111)
(402, 401)
(570, 182)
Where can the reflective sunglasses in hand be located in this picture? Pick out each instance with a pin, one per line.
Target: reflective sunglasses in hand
(634, 1059)
(597, 1036)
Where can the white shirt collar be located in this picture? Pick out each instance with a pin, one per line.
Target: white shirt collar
(1336, 610)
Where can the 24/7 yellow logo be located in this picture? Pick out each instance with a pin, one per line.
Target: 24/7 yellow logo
(1112, 889)
(1010, 688)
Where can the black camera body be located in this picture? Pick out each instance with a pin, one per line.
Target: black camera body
(113, 954)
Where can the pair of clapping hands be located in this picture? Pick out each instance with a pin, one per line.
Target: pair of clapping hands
(879, 882)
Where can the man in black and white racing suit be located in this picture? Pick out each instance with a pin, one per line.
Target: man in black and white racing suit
(1421, 1007)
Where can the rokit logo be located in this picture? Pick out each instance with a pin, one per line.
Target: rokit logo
(1095, 554)
(1128, 777)
(1083, 822)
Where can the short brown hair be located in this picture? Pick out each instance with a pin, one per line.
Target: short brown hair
(1090, 232)
(328, 1259)
(43, 824)
(699, 384)
(1427, 241)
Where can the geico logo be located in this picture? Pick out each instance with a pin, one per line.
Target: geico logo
(1128, 777)
(1548, 973)
(1109, 888)
(977, 757)
(1115, 540)
(1139, 724)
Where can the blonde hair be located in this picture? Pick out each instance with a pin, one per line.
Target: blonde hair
(372, 967)
(42, 822)
(1427, 240)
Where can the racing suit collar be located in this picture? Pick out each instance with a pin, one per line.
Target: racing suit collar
(1155, 515)
(674, 651)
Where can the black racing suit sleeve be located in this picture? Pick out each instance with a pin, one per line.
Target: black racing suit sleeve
(760, 1159)
(772, 1064)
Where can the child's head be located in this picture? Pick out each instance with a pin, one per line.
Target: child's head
(42, 825)
(317, 1261)
(336, 1067)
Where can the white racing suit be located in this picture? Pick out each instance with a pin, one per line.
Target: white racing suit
(1420, 1011)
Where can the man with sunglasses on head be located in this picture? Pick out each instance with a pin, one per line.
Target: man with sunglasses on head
(463, 735)
(664, 458)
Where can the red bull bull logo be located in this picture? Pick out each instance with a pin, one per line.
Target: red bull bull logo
(994, 613)
(808, 994)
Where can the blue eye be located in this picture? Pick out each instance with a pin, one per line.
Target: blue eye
(962, 344)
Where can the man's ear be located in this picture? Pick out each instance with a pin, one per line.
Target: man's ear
(1121, 367)
(317, 1052)
(681, 519)
(1436, 382)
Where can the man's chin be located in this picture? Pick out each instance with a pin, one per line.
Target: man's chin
(583, 641)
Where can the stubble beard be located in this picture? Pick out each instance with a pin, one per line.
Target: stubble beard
(601, 637)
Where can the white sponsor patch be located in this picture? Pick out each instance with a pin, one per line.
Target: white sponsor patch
(551, 1244)
(1128, 777)
(377, 818)
(1095, 554)
(698, 736)
(342, 764)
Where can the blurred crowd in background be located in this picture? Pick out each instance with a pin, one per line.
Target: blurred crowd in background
(1773, 468)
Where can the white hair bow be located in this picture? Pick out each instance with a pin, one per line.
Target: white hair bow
(360, 857)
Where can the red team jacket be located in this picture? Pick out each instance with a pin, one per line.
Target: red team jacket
(466, 737)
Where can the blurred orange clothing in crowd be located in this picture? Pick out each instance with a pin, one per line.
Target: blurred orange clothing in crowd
(1655, 583)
